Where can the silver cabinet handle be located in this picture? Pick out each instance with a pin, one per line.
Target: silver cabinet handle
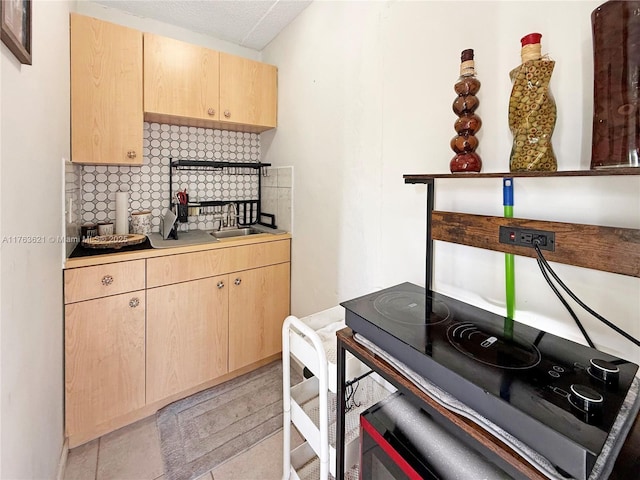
(134, 302)
(211, 111)
(220, 284)
(238, 281)
(131, 154)
(107, 280)
(227, 114)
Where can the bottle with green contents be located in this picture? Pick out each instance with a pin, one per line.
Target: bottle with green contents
(532, 110)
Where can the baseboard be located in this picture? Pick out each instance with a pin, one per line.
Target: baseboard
(62, 464)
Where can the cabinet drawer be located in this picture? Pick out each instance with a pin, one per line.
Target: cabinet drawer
(192, 266)
(103, 280)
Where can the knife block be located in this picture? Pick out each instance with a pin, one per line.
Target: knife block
(183, 213)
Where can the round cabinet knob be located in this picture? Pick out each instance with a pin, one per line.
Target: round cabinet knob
(587, 403)
(107, 280)
(237, 281)
(134, 302)
(220, 284)
(131, 154)
(227, 114)
(604, 371)
(211, 111)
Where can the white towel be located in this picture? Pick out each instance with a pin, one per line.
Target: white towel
(605, 461)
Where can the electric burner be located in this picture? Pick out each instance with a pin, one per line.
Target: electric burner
(408, 307)
(503, 352)
(557, 396)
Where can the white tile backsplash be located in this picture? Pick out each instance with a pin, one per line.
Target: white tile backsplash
(283, 214)
(148, 184)
(72, 205)
(270, 177)
(285, 177)
(277, 195)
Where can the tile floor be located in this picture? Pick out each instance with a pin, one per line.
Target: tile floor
(133, 453)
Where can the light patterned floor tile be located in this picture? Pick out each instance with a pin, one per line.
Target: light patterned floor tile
(131, 453)
(82, 462)
(206, 476)
(263, 461)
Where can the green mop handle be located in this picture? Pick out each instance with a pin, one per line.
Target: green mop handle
(509, 262)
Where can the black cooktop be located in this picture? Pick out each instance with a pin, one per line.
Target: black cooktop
(557, 396)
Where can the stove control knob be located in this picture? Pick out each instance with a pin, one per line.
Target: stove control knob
(604, 371)
(587, 402)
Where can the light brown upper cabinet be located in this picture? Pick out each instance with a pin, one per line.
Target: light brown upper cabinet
(187, 84)
(180, 80)
(106, 93)
(248, 92)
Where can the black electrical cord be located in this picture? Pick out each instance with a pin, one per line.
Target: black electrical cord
(566, 305)
(543, 262)
(350, 396)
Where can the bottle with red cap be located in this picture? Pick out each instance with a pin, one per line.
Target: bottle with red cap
(465, 143)
(532, 110)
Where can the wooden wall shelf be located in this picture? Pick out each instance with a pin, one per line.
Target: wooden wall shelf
(609, 249)
(605, 172)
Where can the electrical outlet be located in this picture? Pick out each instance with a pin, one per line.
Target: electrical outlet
(526, 237)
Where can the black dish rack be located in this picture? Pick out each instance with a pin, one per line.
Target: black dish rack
(249, 210)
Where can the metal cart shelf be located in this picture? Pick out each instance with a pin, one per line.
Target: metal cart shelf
(311, 406)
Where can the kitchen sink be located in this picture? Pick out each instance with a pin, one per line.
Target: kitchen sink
(236, 232)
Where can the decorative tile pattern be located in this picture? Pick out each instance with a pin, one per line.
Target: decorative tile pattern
(148, 184)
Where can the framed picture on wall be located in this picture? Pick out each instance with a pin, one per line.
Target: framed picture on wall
(15, 17)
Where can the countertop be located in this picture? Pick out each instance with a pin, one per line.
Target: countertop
(145, 250)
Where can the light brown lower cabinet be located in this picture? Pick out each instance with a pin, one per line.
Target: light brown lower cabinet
(189, 321)
(104, 359)
(187, 335)
(258, 304)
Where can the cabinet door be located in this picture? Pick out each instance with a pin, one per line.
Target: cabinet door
(258, 304)
(248, 91)
(104, 359)
(106, 92)
(180, 79)
(187, 335)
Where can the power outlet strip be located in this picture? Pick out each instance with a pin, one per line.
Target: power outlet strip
(526, 237)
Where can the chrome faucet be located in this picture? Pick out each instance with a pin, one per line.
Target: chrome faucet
(232, 215)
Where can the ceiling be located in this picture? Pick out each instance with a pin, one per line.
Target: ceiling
(249, 23)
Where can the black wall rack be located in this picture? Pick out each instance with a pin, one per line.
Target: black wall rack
(249, 210)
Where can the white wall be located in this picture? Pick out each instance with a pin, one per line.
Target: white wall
(34, 103)
(365, 94)
(1, 387)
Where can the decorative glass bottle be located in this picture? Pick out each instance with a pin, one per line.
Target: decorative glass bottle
(616, 96)
(532, 110)
(465, 143)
